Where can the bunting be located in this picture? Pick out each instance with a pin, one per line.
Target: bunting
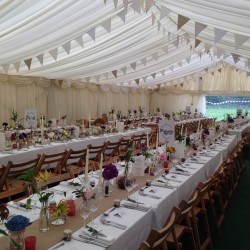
(133, 65)
(197, 42)
(79, 40)
(28, 62)
(137, 81)
(107, 25)
(54, 53)
(67, 47)
(164, 12)
(239, 40)
(114, 72)
(91, 33)
(236, 58)
(199, 27)
(40, 59)
(17, 66)
(218, 34)
(182, 20)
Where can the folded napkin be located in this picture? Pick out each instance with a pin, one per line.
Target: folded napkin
(163, 184)
(98, 237)
(136, 206)
(19, 206)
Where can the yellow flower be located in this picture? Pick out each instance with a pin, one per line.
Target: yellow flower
(44, 176)
(61, 209)
(170, 149)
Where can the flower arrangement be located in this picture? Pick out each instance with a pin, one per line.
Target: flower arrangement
(135, 111)
(14, 116)
(144, 151)
(129, 111)
(17, 223)
(205, 133)
(4, 212)
(62, 208)
(170, 149)
(180, 137)
(63, 117)
(163, 157)
(112, 111)
(110, 171)
(8, 134)
(43, 176)
(158, 110)
(86, 193)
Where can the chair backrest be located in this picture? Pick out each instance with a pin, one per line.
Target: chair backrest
(112, 148)
(96, 151)
(76, 157)
(99, 121)
(51, 161)
(157, 238)
(4, 171)
(20, 168)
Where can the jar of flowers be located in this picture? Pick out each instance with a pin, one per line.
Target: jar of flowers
(127, 157)
(58, 212)
(110, 172)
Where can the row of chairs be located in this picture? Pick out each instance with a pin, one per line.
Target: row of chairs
(65, 165)
(205, 210)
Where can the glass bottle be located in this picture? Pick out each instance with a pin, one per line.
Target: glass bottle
(44, 217)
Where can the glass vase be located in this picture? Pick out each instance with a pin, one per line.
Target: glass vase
(44, 217)
(16, 240)
(106, 187)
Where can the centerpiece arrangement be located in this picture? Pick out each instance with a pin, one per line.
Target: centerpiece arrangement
(58, 212)
(127, 157)
(110, 172)
(16, 226)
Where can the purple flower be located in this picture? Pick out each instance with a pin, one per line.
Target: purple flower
(144, 148)
(110, 171)
(17, 223)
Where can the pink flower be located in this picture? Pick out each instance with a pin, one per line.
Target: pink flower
(163, 157)
(8, 134)
(87, 194)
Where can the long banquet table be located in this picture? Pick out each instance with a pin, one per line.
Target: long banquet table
(56, 147)
(139, 223)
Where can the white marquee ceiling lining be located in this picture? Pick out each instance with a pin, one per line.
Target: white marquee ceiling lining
(134, 52)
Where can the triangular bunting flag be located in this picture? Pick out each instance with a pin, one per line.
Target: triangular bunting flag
(218, 34)
(91, 33)
(124, 69)
(6, 68)
(153, 75)
(212, 73)
(87, 79)
(181, 85)
(182, 20)
(114, 72)
(17, 66)
(219, 70)
(197, 42)
(122, 15)
(239, 40)
(133, 65)
(67, 47)
(144, 78)
(54, 53)
(165, 49)
(144, 61)
(171, 68)
(164, 12)
(106, 76)
(28, 62)
(97, 78)
(163, 72)
(115, 3)
(60, 82)
(188, 59)
(235, 57)
(40, 59)
(107, 25)
(206, 70)
(137, 81)
(155, 55)
(125, 4)
(220, 52)
(180, 63)
(79, 40)
(153, 19)
(158, 25)
(199, 27)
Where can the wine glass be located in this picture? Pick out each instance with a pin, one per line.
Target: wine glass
(94, 203)
(84, 211)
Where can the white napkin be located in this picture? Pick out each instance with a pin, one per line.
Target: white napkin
(135, 205)
(104, 239)
(162, 184)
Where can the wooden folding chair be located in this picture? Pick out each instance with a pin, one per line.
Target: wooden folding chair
(157, 238)
(111, 153)
(184, 225)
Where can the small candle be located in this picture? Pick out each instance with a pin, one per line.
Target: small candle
(186, 132)
(89, 122)
(100, 169)
(59, 116)
(181, 128)
(147, 140)
(198, 125)
(87, 166)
